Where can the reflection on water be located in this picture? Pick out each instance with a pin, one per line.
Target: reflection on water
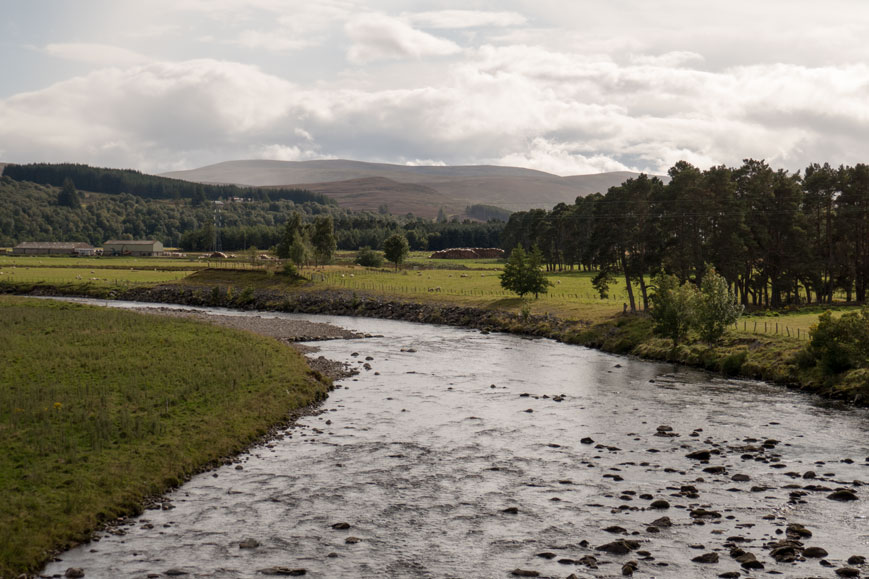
(470, 458)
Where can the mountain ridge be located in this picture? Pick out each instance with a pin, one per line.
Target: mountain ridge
(513, 188)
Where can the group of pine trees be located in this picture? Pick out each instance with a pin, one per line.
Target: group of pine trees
(776, 237)
(304, 243)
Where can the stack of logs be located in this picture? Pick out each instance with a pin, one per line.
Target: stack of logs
(469, 253)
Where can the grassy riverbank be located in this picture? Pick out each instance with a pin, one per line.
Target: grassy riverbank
(764, 345)
(101, 408)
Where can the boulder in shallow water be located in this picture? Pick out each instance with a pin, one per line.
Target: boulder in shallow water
(622, 547)
(815, 552)
(842, 495)
(699, 455)
(706, 558)
(283, 571)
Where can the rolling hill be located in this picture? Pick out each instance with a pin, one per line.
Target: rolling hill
(421, 190)
(371, 193)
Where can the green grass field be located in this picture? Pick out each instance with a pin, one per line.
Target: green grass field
(459, 281)
(102, 262)
(476, 282)
(91, 275)
(192, 263)
(100, 408)
(571, 296)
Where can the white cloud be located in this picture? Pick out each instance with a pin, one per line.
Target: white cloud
(300, 132)
(279, 152)
(95, 54)
(380, 37)
(560, 159)
(464, 19)
(151, 114)
(424, 163)
(556, 111)
(275, 41)
(668, 60)
(155, 31)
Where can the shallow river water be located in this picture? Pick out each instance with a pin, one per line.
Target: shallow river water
(460, 454)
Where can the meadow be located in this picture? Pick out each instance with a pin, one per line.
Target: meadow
(88, 275)
(459, 281)
(21, 261)
(572, 296)
(101, 408)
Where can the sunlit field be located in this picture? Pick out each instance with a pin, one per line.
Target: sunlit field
(191, 262)
(90, 275)
(125, 405)
(471, 282)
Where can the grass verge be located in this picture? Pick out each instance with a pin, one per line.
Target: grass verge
(102, 408)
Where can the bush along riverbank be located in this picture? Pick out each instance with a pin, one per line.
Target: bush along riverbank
(101, 409)
(775, 359)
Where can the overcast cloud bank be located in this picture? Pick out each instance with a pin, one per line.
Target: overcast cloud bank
(567, 93)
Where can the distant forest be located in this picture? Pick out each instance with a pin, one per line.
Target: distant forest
(117, 181)
(35, 212)
(777, 237)
(487, 213)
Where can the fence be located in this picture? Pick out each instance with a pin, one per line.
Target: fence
(771, 328)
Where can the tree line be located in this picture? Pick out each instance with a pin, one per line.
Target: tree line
(34, 212)
(776, 237)
(118, 181)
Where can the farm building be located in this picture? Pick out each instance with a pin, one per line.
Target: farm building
(137, 247)
(53, 248)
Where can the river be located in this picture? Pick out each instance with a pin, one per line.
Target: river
(464, 454)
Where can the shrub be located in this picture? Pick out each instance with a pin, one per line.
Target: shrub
(717, 308)
(732, 364)
(838, 345)
(674, 307)
(367, 257)
(290, 270)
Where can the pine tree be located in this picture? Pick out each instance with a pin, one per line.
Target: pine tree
(294, 225)
(323, 239)
(68, 196)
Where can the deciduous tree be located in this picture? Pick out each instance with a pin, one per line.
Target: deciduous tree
(396, 248)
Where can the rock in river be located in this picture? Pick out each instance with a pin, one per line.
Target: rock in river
(842, 495)
(699, 455)
(622, 547)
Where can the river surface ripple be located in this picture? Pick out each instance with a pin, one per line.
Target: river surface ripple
(455, 455)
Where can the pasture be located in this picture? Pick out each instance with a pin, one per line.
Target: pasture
(100, 408)
(88, 275)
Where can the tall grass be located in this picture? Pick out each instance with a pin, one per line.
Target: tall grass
(100, 408)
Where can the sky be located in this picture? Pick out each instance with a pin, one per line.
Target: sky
(568, 87)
